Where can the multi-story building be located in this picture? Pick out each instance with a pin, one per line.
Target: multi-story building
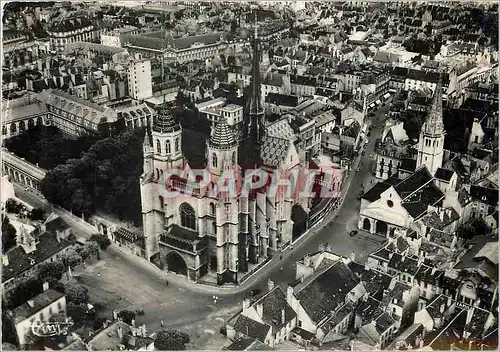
(117, 36)
(71, 30)
(37, 310)
(185, 49)
(140, 84)
(75, 116)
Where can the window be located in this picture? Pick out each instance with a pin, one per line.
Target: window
(188, 216)
(158, 146)
(214, 160)
(167, 147)
(233, 158)
(162, 202)
(212, 208)
(177, 144)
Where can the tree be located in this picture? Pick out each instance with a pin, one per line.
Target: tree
(26, 291)
(71, 258)
(56, 284)
(37, 214)
(93, 248)
(475, 227)
(171, 340)
(102, 240)
(77, 293)
(11, 206)
(9, 239)
(51, 269)
(76, 311)
(127, 315)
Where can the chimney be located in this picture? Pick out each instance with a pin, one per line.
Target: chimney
(45, 286)
(246, 305)
(441, 308)
(307, 260)
(403, 257)
(260, 309)
(143, 329)
(119, 332)
(270, 285)
(433, 271)
(448, 303)
(31, 303)
(134, 332)
(353, 256)
(115, 315)
(133, 323)
(283, 316)
(289, 295)
(5, 260)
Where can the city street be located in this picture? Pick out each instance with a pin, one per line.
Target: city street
(121, 280)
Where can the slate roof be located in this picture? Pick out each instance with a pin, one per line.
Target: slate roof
(425, 274)
(247, 344)
(375, 282)
(39, 302)
(404, 264)
(282, 99)
(56, 224)
(408, 164)
(327, 291)
(165, 122)
(273, 303)
(19, 261)
(368, 309)
(382, 253)
(443, 174)
(251, 328)
(281, 129)
(485, 195)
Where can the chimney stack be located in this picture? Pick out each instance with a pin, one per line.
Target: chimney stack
(260, 309)
(307, 260)
(119, 332)
(283, 316)
(246, 305)
(45, 286)
(270, 285)
(144, 331)
(115, 315)
(5, 260)
(441, 308)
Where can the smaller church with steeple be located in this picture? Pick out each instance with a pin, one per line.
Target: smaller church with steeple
(403, 199)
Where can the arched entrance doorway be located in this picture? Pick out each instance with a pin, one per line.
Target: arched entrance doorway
(381, 227)
(176, 263)
(366, 225)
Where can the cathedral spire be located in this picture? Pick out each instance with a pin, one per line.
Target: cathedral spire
(222, 137)
(434, 122)
(165, 122)
(256, 125)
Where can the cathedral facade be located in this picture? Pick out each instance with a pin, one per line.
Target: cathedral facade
(206, 229)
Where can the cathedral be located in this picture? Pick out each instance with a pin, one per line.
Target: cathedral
(200, 233)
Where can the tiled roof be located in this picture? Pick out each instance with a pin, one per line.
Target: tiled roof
(41, 301)
(274, 150)
(429, 275)
(251, 328)
(273, 304)
(282, 99)
(247, 344)
(56, 224)
(165, 122)
(404, 264)
(19, 261)
(126, 234)
(281, 129)
(223, 137)
(327, 291)
(443, 174)
(368, 309)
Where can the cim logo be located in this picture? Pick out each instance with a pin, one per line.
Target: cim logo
(45, 329)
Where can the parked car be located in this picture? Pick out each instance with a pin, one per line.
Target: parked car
(353, 233)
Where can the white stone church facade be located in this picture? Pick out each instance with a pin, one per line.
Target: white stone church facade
(200, 232)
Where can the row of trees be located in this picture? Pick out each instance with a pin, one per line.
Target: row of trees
(47, 146)
(106, 175)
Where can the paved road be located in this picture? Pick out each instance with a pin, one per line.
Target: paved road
(140, 285)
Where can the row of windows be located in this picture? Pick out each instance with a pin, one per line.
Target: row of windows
(168, 148)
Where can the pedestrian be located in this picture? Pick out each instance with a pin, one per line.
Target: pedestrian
(167, 282)
(161, 323)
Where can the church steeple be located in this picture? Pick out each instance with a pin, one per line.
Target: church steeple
(434, 123)
(165, 122)
(256, 123)
(431, 140)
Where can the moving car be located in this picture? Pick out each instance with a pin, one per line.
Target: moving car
(353, 233)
